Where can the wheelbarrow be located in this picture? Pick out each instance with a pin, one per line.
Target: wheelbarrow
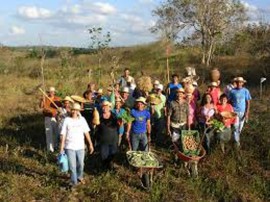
(144, 170)
(190, 157)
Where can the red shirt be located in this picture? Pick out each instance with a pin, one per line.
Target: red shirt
(228, 107)
(215, 93)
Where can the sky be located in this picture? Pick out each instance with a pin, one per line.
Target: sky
(65, 22)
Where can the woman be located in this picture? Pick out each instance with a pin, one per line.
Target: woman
(75, 129)
(191, 110)
(119, 111)
(108, 134)
(205, 114)
(227, 119)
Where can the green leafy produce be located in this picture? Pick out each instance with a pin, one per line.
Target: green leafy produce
(142, 159)
(126, 117)
(218, 125)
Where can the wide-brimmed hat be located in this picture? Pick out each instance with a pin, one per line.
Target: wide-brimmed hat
(213, 84)
(76, 106)
(142, 100)
(106, 103)
(68, 98)
(155, 100)
(125, 90)
(78, 98)
(240, 79)
(180, 90)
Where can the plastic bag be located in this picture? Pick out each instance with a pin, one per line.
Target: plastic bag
(62, 161)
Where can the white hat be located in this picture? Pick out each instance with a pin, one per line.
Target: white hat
(100, 91)
(156, 82)
(51, 89)
(240, 79)
(106, 103)
(159, 86)
(125, 90)
(194, 83)
(76, 106)
(142, 100)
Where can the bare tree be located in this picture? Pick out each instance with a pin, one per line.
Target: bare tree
(210, 18)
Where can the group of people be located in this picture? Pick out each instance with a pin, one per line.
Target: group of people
(128, 117)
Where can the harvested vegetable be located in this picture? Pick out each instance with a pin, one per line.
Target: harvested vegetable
(190, 141)
(142, 159)
(218, 125)
(126, 117)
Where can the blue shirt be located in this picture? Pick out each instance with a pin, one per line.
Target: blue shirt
(238, 98)
(173, 87)
(140, 122)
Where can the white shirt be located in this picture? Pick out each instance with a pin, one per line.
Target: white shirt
(74, 130)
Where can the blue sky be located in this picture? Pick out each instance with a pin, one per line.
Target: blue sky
(64, 22)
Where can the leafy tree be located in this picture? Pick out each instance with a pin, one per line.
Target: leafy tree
(208, 19)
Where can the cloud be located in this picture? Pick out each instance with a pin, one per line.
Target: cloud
(15, 30)
(33, 12)
(103, 8)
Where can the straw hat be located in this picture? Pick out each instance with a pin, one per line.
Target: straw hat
(106, 103)
(118, 99)
(125, 90)
(110, 89)
(68, 98)
(51, 89)
(76, 106)
(78, 98)
(228, 115)
(142, 100)
(240, 79)
(155, 100)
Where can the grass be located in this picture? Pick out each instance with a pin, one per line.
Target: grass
(29, 173)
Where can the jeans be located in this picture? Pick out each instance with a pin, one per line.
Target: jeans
(139, 140)
(108, 150)
(76, 164)
(51, 131)
(238, 126)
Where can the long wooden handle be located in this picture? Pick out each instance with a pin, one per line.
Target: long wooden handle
(48, 98)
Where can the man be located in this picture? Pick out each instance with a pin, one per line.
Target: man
(240, 99)
(140, 128)
(172, 87)
(50, 112)
(127, 98)
(177, 117)
(74, 131)
(126, 78)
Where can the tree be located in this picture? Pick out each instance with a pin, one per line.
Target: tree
(210, 19)
(99, 43)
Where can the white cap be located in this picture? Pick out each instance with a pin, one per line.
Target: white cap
(159, 86)
(125, 90)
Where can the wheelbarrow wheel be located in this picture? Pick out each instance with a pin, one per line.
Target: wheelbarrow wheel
(146, 184)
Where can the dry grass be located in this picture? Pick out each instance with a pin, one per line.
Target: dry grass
(29, 173)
